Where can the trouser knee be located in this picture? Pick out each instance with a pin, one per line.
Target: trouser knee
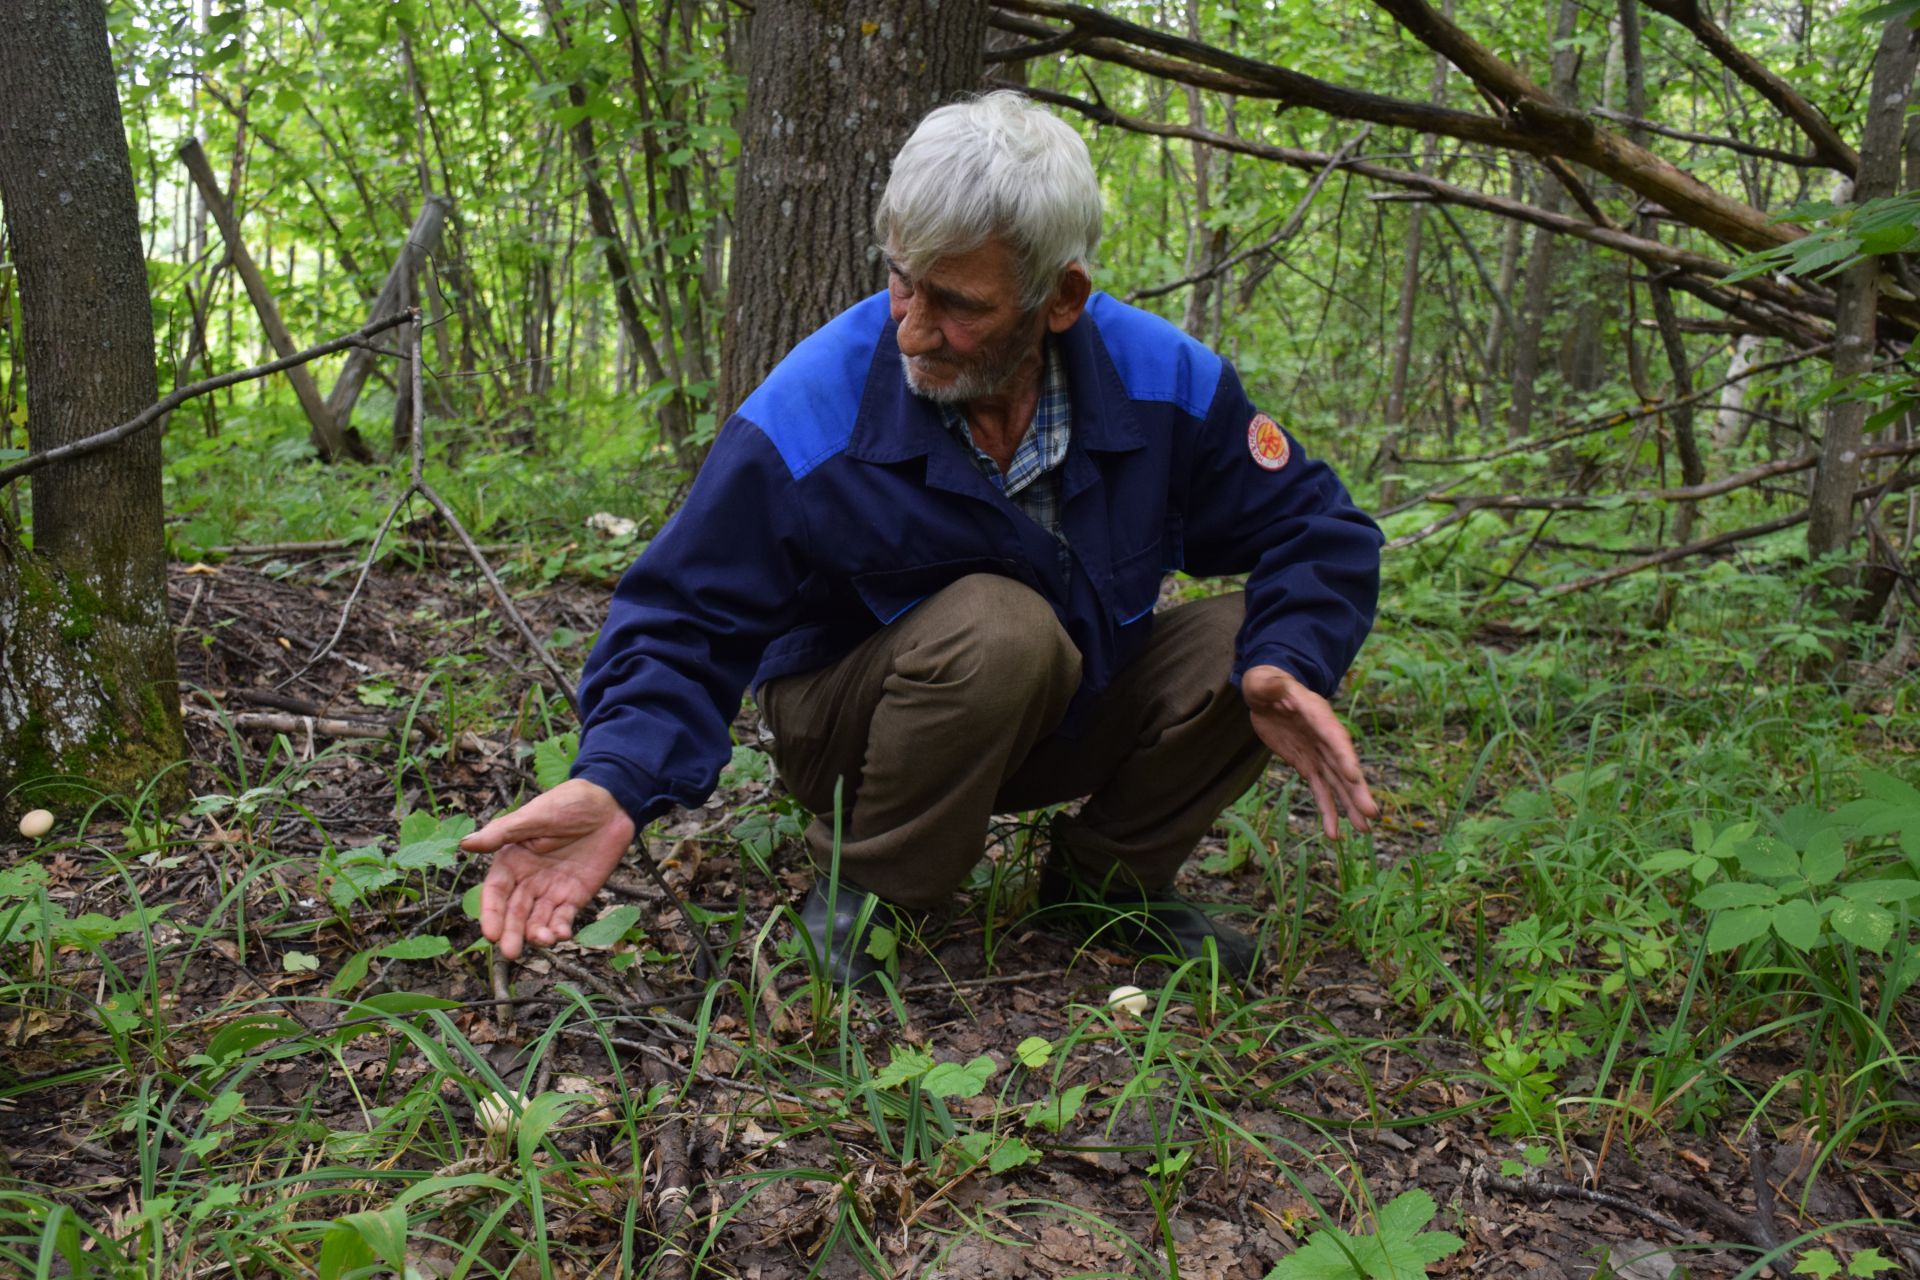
(995, 636)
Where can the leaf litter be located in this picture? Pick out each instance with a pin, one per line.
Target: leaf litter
(1008, 1125)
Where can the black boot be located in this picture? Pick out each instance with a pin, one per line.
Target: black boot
(1157, 922)
(838, 938)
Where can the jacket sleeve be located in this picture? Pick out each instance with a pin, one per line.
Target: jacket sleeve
(686, 630)
(1312, 558)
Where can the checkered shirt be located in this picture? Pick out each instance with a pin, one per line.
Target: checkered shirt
(1032, 481)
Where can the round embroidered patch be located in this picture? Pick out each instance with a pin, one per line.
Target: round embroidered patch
(1267, 442)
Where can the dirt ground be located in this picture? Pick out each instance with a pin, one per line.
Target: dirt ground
(1645, 1204)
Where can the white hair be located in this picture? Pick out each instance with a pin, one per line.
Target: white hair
(995, 165)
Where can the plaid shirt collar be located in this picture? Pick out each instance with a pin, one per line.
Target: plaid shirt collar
(1044, 445)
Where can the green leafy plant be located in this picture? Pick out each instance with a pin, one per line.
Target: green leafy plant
(1822, 1265)
(1399, 1247)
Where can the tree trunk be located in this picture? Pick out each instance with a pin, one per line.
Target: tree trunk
(87, 675)
(1530, 324)
(1402, 360)
(832, 93)
(1830, 519)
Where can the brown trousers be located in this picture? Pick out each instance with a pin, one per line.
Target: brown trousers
(946, 717)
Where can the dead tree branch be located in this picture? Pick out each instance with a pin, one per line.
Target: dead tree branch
(157, 411)
(1751, 299)
(1640, 497)
(1774, 154)
(1828, 145)
(1616, 419)
(1288, 229)
(1714, 543)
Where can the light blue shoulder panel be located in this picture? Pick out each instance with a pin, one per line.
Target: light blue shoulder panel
(1155, 359)
(808, 404)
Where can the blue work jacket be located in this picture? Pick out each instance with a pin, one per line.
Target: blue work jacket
(835, 500)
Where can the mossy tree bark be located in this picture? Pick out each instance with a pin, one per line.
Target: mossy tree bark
(87, 675)
(832, 92)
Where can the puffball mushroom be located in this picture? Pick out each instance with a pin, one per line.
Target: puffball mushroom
(1131, 1001)
(36, 823)
(497, 1118)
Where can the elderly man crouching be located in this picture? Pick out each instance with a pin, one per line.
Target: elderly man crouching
(933, 541)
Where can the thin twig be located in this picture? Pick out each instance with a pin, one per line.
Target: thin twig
(1621, 418)
(1711, 544)
(173, 400)
(1288, 229)
(1639, 497)
(1763, 1228)
(1544, 1191)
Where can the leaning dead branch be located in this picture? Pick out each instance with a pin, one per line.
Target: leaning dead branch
(156, 412)
(333, 439)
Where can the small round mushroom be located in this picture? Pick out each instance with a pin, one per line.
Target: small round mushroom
(36, 823)
(1129, 1000)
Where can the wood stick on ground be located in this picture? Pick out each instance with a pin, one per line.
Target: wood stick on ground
(330, 546)
(1545, 1191)
(674, 1188)
(1726, 1219)
(312, 726)
(159, 409)
(1763, 1226)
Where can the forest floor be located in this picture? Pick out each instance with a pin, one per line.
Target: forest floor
(766, 1129)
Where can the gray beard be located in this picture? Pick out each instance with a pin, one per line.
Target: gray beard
(969, 384)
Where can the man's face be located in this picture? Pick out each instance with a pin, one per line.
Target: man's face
(962, 332)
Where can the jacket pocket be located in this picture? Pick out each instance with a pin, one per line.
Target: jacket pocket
(890, 593)
(1135, 587)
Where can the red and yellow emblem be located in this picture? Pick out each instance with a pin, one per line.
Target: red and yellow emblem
(1267, 442)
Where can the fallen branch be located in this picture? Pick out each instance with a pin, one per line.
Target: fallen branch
(1710, 140)
(1831, 148)
(174, 399)
(1714, 543)
(1545, 1191)
(1640, 497)
(333, 546)
(1620, 418)
(1746, 300)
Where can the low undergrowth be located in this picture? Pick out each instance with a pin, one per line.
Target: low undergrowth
(1642, 906)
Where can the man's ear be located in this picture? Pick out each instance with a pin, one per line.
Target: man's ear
(1069, 298)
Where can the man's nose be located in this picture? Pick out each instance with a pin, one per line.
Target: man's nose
(917, 335)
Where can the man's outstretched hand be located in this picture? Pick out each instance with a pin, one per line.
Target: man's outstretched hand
(549, 859)
(1299, 726)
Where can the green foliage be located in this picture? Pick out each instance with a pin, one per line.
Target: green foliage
(1399, 1248)
(1822, 1265)
(425, 843)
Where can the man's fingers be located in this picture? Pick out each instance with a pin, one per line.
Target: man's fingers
(506, 829)
(551, 922)
(1323, 798)
(494, 892)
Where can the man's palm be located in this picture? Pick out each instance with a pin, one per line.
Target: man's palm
(550, 858)
(1299, 726)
